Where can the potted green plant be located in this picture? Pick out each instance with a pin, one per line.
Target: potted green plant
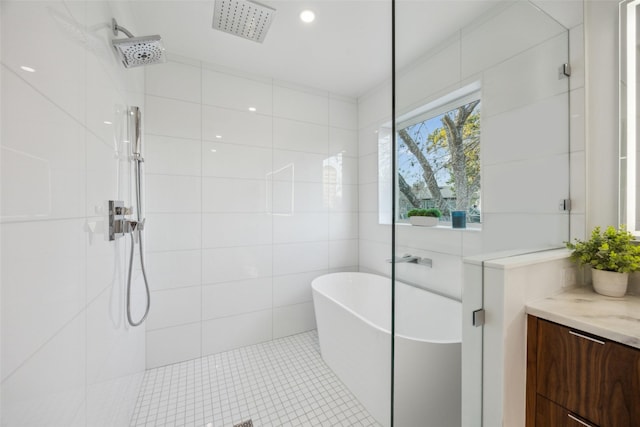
(612, 255)
(424, 217)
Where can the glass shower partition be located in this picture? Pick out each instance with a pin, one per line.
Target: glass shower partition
(479, 146)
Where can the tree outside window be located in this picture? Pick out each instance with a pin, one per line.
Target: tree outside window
(439, 163)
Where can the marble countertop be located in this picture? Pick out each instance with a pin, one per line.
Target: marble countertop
(617, 319)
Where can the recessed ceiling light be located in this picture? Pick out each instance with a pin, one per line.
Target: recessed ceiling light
(106, 122)
(213, 150)
(252, 109)
(307, 16)
(28, 69)
(218, 136)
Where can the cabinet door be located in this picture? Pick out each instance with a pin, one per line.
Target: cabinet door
(621, 386)
(548, 414)
(569, 370)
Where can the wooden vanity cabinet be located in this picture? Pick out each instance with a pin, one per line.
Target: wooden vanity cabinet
(578, 379)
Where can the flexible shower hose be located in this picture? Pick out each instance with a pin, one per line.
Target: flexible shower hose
(139, 225)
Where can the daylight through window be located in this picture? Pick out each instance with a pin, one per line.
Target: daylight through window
(439, 161)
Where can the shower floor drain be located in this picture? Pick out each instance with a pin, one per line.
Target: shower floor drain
(248, 423)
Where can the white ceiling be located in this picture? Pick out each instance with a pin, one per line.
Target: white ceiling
(346, 50)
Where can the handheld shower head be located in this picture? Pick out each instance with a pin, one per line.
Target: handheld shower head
(136, 149)
(137, 51)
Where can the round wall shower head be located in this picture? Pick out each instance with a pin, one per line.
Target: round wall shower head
(137, 51)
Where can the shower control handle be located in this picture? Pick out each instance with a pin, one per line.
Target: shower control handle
(119, 225)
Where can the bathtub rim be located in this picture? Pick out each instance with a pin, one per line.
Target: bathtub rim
(368, 322)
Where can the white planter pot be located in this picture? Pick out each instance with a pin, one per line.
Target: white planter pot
(423, 221)
(609, 283)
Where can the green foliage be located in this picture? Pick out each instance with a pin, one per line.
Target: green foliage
(612, 250)
(425, 212)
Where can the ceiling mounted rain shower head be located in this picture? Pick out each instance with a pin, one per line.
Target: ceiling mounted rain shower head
(137, 51)
(244, 18)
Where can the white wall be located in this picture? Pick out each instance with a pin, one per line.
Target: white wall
(509, 284)
(516, 54)
(238, 226)
(67, 357)
(601, 53)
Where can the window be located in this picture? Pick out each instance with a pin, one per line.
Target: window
(438, 158)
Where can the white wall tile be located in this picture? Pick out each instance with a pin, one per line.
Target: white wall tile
(234, 195)
(226, 90)
(171, 345)
(235, 161)
(368, 140)
(236, 127)
(237, 229)
(294, 288)
(174, 269)
(305, 167)
(170, 117)
(343, 113)
(444, 277)
(300, 257)
(513, 135)
(174, 80)
(577, 184)
(370, 229)
(568, 13)
(234, 298)
(297, 197)
(180, 231)
(298, 105)
(112, 348)
(515, 83)
(577, 56)
(484, 44)
(56, 79)
(373, 256)
(236, 331)
(436, 239)
(549, 231)
(38, 302)
(344, 141)
(300, 227)
(343, 253)
(342, 198)
(293, 319)
(172, 156)
(443, 69)
(172, 194)
(368, 169)
(102, 180)
(174, 307)
(230, 264)
(577, 119)
(374, 107)
(300, 136)
(343, 225)
(49, 381)
(368, 197)
(526, 190)
(105, 267)
(48, 159)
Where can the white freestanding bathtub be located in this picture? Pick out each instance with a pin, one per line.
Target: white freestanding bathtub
(353, 314)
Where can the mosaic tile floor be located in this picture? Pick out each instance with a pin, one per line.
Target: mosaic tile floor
(279, 383)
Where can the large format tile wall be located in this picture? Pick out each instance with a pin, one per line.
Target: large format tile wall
(68, 359)
(244, 207)
(525, 161)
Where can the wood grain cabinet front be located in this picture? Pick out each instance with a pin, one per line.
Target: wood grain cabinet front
(594, 381)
